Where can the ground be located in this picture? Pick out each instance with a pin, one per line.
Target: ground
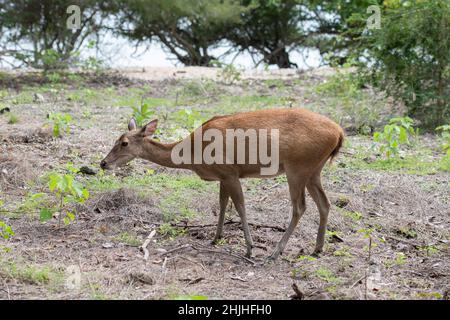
(389, 228)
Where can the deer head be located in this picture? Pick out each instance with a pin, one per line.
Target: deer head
(129, 146)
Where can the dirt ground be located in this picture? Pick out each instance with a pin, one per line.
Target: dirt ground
(389, 228)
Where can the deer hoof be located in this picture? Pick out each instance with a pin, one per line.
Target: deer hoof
(316, 253)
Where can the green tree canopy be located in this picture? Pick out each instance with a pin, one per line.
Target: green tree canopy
(409, 56)
(188, 29)
(35, 31)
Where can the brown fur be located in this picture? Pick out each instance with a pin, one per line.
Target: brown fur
(307, 141)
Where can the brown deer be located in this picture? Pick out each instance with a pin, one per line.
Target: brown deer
(306, 141)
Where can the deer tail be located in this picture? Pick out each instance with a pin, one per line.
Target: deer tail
(338, 147)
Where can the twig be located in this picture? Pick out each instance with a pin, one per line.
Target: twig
(299, 295)
(238, 278)
(358, 281)
(146, 243)
(225, 253)
(184, 246)
(403, 241)
(257, 226)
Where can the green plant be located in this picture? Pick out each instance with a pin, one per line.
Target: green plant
(445, 135)
(230, 74)
(190, 118)
(343, 252)
(429, 250)
(66, 190)
(167, 230)
(13, 119)
(327, 275)
(413, 33)
(187, 297)
(142, 114)
(406, 232)
(60, 123)
(54, 77)
(129, 239)
(354, 215)
(400, 258)
(6, 231)
(396, 133)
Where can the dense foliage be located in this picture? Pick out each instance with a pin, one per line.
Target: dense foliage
(407, 55)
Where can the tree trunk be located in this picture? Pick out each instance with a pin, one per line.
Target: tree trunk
(280, 57)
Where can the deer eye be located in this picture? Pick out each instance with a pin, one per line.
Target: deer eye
(124, 143)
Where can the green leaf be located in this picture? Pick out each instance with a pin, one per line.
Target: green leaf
(85, 194)
(6, 231)
(70, 217)
(403, 136)
(45, 215)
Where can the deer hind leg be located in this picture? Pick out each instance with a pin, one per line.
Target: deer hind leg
(317, 193)
(297, 192)
(224, 197)
(233, 186)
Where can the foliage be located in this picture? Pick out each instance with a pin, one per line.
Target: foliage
(37, 34)
(445, 134)
(60, 123)
(190, 118)
(409, 56)
(66, 190)
(230, 74)
(129, 239)
(167, 230)
(13, 119)
(269, 30)
(6, 231)
(187, 29)
(327, 275)
(142, 114)
(396, 133)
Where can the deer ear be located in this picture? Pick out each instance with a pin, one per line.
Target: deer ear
(150, 128)
(132, 124)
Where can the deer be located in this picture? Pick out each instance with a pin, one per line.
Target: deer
(306, 142)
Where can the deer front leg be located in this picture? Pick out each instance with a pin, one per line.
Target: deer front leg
(224, 197)
(297, 191)
(234, 189)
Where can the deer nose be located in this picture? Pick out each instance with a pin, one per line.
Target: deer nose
(103, 164)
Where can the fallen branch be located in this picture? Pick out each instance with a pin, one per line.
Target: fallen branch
(146, 243)
(238, 278)
(184, 246)
(257, 226)
(415, 245)
(299, 295)
(225, 253)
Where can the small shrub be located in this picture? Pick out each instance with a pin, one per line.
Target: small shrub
(54, 77)
(142, 114)
(190, 119)
(66, 190)
(445, 136)
(167, 230)
(228, 73)
(6, 231)
(396, 133)
(60, 123)
(327, 275)
(13, 119)
(129, 239)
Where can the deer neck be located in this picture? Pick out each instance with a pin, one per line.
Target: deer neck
(161, 154)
